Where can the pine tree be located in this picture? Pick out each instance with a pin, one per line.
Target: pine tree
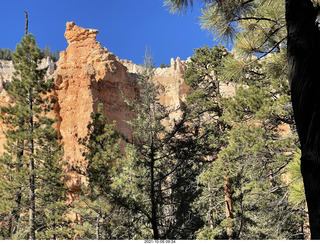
(260, 107)
(51, 201)
(102, 153)
(205, 103)
(157, 184)
(6, 54)
(249, 146)
(142, 194)
(30, 171)
(297, 195)
(46, 52)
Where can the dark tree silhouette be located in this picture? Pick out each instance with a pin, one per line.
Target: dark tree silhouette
(27, 23)
(304, 62)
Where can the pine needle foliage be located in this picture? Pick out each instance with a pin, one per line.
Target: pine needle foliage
(157, 184)
(251, 152)
(102, 154)
(31, 167)
(181, 6)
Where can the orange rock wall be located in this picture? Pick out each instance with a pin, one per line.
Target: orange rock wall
(87, 75)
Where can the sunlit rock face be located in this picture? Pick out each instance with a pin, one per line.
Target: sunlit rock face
(87, 75)
(174, 90)
(6, 72)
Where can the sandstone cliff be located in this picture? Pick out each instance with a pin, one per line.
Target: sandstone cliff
(87, 75)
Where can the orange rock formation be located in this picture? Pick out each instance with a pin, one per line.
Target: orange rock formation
(87, 75)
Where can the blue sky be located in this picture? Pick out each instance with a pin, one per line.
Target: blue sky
(125, 27)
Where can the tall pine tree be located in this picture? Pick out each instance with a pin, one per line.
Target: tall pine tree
(102, 153)
(205, 102)
(31, 173)
(157, 183)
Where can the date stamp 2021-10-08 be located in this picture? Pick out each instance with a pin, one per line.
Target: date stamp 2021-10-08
(159, 241)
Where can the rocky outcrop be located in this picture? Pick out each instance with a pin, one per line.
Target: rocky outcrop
(6, 72)
(174, 90)
(87, 75)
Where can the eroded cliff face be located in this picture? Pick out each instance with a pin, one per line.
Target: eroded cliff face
(6, 72)
(174, 90)
(87, 75)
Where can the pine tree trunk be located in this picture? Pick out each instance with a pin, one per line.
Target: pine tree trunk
(154, 219)
(98, 227)
(229, 207)
(304, 62)
(32, 209)
(104, 221)
(10, 225)
(15, 213)
(211, 219)
(154, 222)
(227, 187)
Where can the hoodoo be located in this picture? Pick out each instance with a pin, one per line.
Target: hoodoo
(87, 75)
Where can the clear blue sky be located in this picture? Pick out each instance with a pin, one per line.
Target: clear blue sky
(125, 27)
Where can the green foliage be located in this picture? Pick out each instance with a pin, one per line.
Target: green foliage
(31, 168)
(249, 150)
(206, 111)
(255, 25)
(204, 103)
(262, 101)
(296, 188)
(162, 65)
(258, 193)
(46, 52)
(157, 184)
(6, 54)
(181, 6)
(175, 181)
(102, 154)
(102, 150)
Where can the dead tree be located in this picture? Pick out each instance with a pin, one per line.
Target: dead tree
(27, 22)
